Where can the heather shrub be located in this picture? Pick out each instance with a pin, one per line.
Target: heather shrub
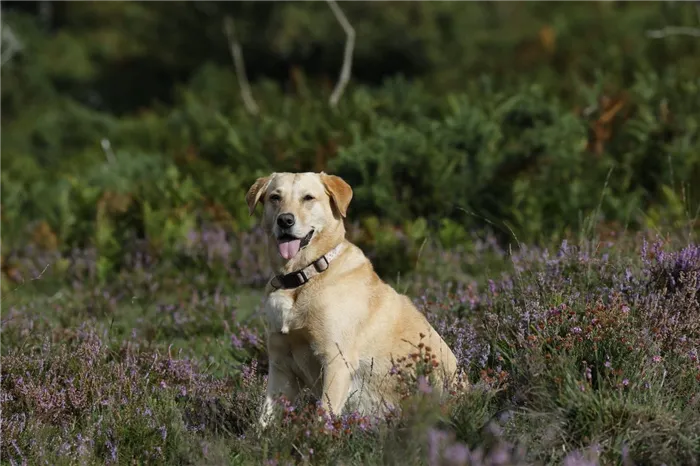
(82, 402)
(576, 353)
(577, 341)
(672, 308)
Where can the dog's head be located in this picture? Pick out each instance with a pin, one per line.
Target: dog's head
(303, 213)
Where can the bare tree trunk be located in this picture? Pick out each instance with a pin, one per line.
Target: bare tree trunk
(346, 69)
(239, 65)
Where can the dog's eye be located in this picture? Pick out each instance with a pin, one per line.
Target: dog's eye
(275, 197)
(308, 197)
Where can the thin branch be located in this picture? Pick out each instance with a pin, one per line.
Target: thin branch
(347, 56)
(13, 44)
(239, 65)
(674, 31)
(41, 274)
(107, 149)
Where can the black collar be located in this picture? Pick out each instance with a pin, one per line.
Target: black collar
(300, 277)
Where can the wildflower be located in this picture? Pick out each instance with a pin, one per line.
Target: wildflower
(423, 385)
(112, 450)
(564, 248)
(250, 336)
(456, 454)
(237, 343)
(656, 358)
(328, 426)
(492, 287)
(436, 441)
(576, 330)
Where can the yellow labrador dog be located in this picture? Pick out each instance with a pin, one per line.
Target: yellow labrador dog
(333, 325)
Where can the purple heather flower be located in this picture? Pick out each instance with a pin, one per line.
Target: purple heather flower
(423, 385)
(112, 448)
(237, 343)
(457, 454)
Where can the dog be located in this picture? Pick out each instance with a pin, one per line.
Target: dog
(333, 326)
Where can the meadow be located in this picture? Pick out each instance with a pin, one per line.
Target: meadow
(580, 354)
(526, 173)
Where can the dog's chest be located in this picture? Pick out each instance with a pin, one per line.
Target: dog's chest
(282, 313)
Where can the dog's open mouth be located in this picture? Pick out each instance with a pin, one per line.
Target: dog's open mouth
(289, 245)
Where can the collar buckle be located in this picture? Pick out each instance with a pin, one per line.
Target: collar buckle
(296, 279)
(321, 264)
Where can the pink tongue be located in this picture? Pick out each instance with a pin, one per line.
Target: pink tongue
(289, 249)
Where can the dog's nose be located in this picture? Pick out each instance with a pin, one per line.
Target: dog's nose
(285, 220)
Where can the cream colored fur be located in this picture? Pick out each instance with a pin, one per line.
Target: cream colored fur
(336, 334)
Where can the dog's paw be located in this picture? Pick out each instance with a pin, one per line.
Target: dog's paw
(264, 421)
(266, 415)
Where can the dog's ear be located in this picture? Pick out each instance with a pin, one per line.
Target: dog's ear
(257, 191)
(339, 191)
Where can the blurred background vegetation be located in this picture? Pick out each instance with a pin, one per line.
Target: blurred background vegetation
(123, 122)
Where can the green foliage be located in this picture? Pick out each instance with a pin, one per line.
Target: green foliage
(456, 134)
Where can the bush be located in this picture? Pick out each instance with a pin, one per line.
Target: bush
(530, 162)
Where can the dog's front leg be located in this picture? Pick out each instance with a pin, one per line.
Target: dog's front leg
(280, 380)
